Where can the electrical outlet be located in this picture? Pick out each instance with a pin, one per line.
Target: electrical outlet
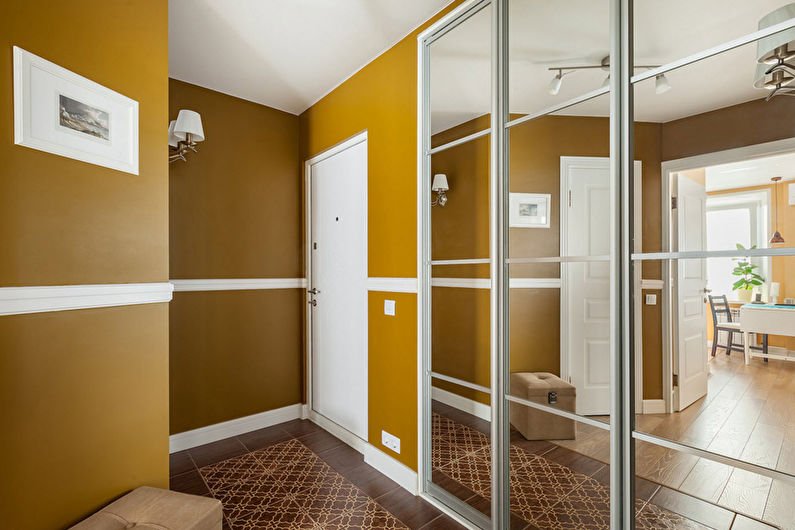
(390, 441)
(651, 299)
(389, 307)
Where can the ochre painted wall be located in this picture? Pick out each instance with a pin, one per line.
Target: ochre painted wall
(85, 411)
(84, 393)
(234, 353)
(382, 99)
(235, 212)
(235, 206)
(68, 222)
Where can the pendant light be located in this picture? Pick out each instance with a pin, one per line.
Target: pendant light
(777, 235)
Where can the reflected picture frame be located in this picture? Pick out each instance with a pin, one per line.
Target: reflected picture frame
(529, 210)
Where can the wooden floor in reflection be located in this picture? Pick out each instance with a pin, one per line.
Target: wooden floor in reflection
(748, 413)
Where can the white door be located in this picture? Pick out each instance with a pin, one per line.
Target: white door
(338, 243)
(585, 296)
(690, 357)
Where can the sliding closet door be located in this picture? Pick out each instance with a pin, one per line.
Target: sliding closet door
(458, 295)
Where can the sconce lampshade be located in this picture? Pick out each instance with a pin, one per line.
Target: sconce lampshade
(766, 47)
(173, 139)
(440, 182)
(189, 122)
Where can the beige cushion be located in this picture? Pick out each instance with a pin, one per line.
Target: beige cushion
(153, 508)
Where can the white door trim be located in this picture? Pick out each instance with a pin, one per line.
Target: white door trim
(669, 167)
(565, 161)
(45, 298)
(338, 148)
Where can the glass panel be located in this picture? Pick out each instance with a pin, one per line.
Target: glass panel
(559, 471)
(461, 450)
(460, 315)
(460, 226)
(667, 31)
(721, 403)
(719, 153)
(557, 51)
(573, 144)
(460, 65)
(680, 490)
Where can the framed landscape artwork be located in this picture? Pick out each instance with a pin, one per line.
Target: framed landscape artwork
(60, 112)
(529, 210)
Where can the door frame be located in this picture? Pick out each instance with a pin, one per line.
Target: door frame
(668, 168)
(565, 162)
(348, 437)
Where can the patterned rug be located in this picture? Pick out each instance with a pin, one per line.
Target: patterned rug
(288, 486)
(544, 493)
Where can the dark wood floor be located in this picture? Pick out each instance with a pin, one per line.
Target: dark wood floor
(296, 475)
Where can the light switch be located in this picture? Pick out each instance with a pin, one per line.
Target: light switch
(651, 299)
(389, 307)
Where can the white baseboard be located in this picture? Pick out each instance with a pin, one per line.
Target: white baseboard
(219, 431)
(461, 403)
(653, 406)
(397, 471)
(382, 462)
(340, 432)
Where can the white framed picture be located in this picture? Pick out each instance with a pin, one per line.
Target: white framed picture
(60, 112)
(529, 210)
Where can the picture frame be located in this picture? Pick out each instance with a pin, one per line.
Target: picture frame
(529, 210)
(61, 112)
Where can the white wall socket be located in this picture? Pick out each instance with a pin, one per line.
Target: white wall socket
(389, 307)
(390, 442)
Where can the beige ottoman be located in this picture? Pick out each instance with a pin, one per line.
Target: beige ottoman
(550, 390)
(153, 508)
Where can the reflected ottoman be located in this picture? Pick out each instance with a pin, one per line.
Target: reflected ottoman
(547, 389)
(153, 508)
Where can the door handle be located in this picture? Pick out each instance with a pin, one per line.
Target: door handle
(313, 302)
(707, 290)
(314, 291)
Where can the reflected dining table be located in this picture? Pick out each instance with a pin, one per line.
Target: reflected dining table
(769, 319)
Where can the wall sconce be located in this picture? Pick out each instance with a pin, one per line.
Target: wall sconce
(183, 134)
(440, 186)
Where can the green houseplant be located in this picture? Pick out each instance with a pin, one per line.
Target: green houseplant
(748, 278)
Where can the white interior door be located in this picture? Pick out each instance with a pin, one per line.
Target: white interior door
(585, 297)
(690, 357)
(339, 274)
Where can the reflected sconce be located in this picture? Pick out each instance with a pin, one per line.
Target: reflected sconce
(440, 187)
(776, 239)
(183, 134)
(774, 72)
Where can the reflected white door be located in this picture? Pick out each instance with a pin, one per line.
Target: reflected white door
(690, 356)
(586, 285)
(585, 296)
(339, 274)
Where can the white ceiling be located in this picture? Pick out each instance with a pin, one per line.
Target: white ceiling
(575, 32)
(756, 172)
(286, 54)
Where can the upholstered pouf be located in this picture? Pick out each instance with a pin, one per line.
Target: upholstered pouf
(550, 390)
(153, 508)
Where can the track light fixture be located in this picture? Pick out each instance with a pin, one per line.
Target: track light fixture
(661, 83)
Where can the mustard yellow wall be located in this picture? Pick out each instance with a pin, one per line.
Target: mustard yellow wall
(85, 393)
(235, 212)
(382, 99)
